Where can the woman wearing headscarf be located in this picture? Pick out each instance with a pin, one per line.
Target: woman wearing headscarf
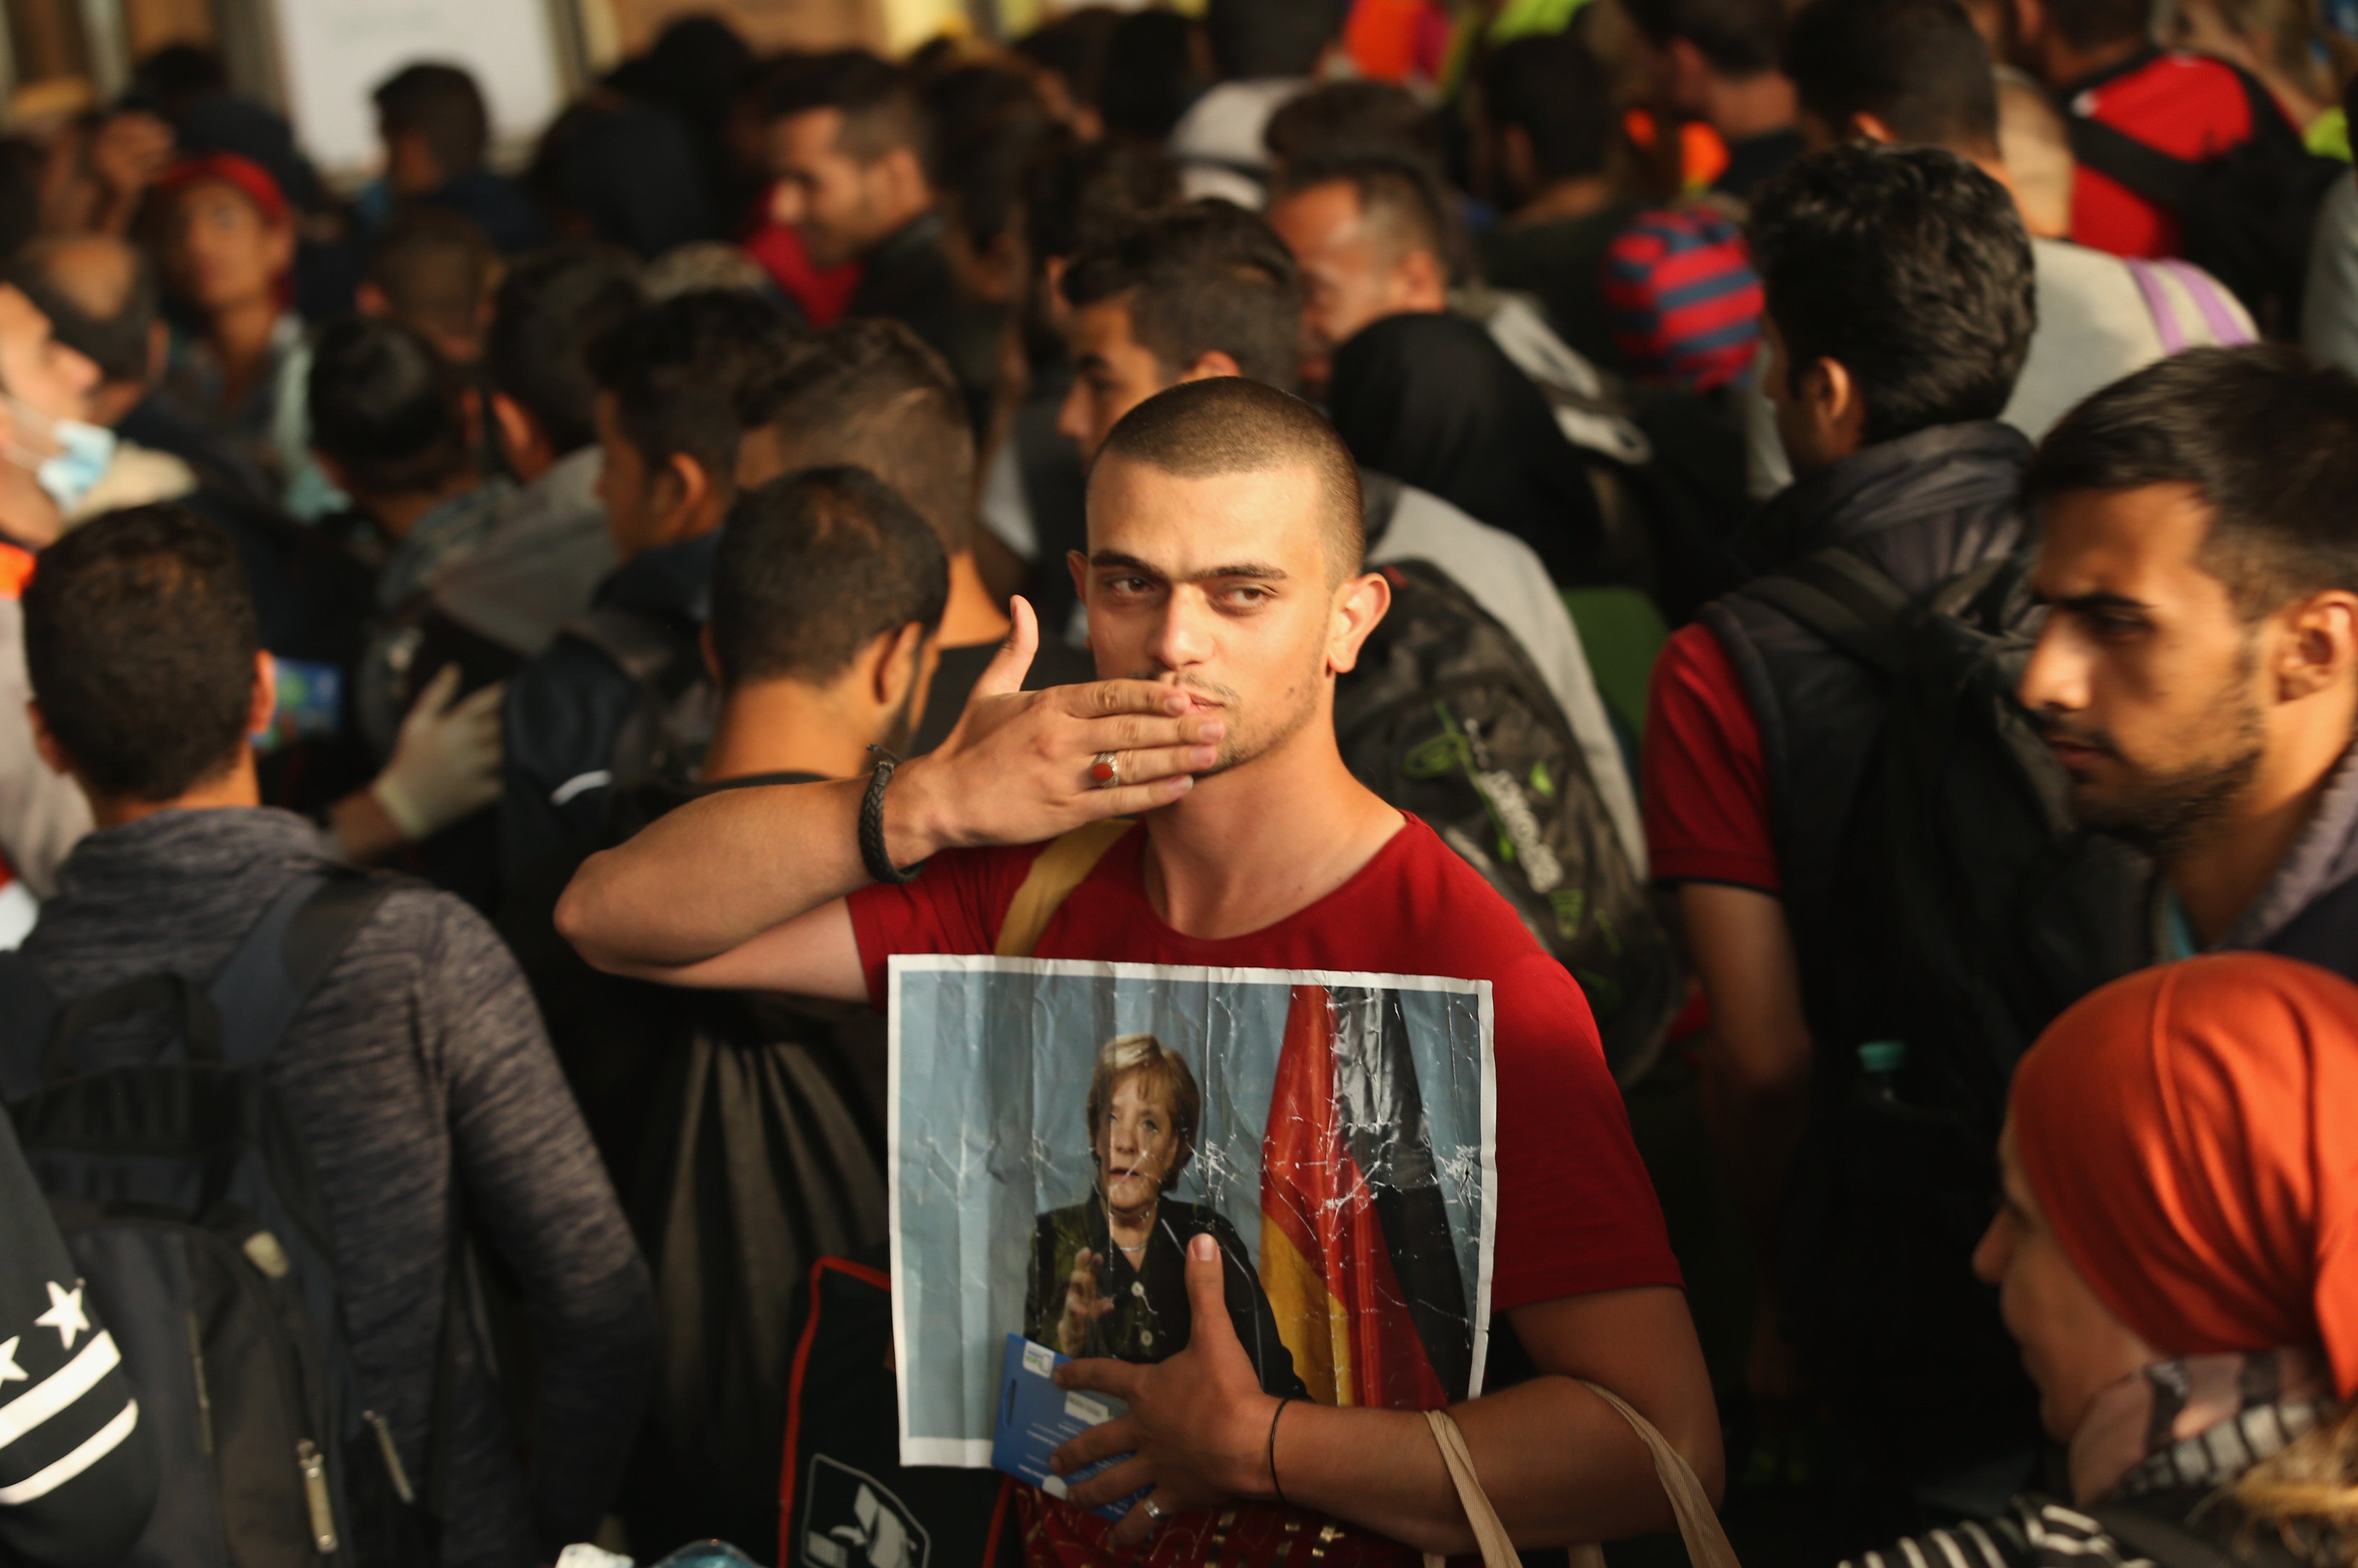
(2177, 1255)
(1431, 401)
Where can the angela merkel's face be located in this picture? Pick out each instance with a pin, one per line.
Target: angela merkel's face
(1138, 1144)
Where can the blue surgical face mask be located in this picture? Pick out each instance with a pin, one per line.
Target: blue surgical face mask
(84, 451)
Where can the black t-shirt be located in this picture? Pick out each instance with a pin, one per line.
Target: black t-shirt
(1058, 663)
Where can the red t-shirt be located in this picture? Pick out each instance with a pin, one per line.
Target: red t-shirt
(1703, 781)
(1576, 1212)
(2187, 105)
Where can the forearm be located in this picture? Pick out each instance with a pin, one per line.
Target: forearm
(364, 832)
(1558, 1464)
(717, 873)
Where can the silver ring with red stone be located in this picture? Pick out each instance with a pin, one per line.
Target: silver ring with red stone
(1104, 770)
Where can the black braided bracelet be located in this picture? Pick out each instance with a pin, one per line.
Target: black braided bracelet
(1272, 1450)
(872, 825)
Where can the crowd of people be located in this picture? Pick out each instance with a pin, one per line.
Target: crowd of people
(493, 664)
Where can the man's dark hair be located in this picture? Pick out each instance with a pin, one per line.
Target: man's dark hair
(434, 267)
(981, 170)
(1149, 74)
(442, 106)
(1910, 268)
(676, 371)
(1252, 40)
(877, 99)
(1077, 194)
(20, 193)
(1737, 39)
(2093, 24)
(549, 309)
(2266, 439)
(118, 343)
(140, 639)
(1357, 114)
(1919, 66)
(385, 407)
(1074, 47)
(1552, 88)
(869, 392)
(1203, 277)
(814, 567)
(1403, 193)
(1226, 424)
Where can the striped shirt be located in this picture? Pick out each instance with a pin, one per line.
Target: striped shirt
(77, 1472)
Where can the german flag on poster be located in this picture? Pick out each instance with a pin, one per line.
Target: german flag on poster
(1355, 1249)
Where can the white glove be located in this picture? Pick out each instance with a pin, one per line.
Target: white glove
(445, 761)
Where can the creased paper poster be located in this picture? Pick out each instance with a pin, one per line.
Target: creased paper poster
(1060, 1131)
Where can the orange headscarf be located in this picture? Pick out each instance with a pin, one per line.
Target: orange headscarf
(2191, 1134)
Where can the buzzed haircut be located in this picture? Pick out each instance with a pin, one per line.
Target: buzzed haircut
(385, 407)
(814, 567)
(872, 394)
(877, 99)
(1737, 39)
(1252, 40)
(2093, 24)
(676, 370)
(1400, 196)
(2265, 436)
(1208, 277)
(549, 309)
(1199, 429)
(115, 340)
(435, 267)
(442, 106)
(1910, 268)
(1359, 113)
(140, 638)
(1552, 88)
(1919, 66)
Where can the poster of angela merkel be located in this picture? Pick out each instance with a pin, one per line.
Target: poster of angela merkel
(1060, 1131)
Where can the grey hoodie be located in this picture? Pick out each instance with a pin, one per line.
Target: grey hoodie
(420, 1061)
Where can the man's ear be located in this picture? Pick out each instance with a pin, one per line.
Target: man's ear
(681, 491)
(1078, 565)
(896, 665)
(1516, 161)
(1211, 365)
(1834, 402)
(264, 707)
(370, 300)
(159, 350)
(1866, 127)
(518, 433)
(1420, 281)
(2320, 649)
(45, 740)
(711, 652)
(1359, 606)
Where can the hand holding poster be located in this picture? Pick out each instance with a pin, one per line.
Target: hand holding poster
(1061, 1130)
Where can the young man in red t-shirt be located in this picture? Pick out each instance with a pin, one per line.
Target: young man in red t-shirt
(2099, 58)
(1223, 585)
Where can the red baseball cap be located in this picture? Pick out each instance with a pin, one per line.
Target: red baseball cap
(228, 168)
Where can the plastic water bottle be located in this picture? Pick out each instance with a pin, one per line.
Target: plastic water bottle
(1879, 1062)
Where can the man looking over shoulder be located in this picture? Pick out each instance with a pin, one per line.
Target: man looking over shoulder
(1225, 596)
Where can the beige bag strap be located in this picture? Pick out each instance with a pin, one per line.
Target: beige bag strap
(1707, 1545)
(1060, 868)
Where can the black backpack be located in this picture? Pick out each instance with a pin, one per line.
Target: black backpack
(846, 1500)
(663, 740)
(189, 1203)
(1445, 715)
(2246, 216)
(1967, 912)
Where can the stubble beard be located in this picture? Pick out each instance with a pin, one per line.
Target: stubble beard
(2164, 814)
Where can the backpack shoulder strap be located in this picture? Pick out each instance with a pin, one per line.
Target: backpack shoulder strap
(1060, 868)
(26, 1005)
(2150, 173)
(642, 646)
(1843, 600)
(283, 959)
(2158, 305)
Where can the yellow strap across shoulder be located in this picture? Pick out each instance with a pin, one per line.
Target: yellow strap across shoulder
(1063, 866)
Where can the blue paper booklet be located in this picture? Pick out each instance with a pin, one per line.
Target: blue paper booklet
(1036, 1418)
